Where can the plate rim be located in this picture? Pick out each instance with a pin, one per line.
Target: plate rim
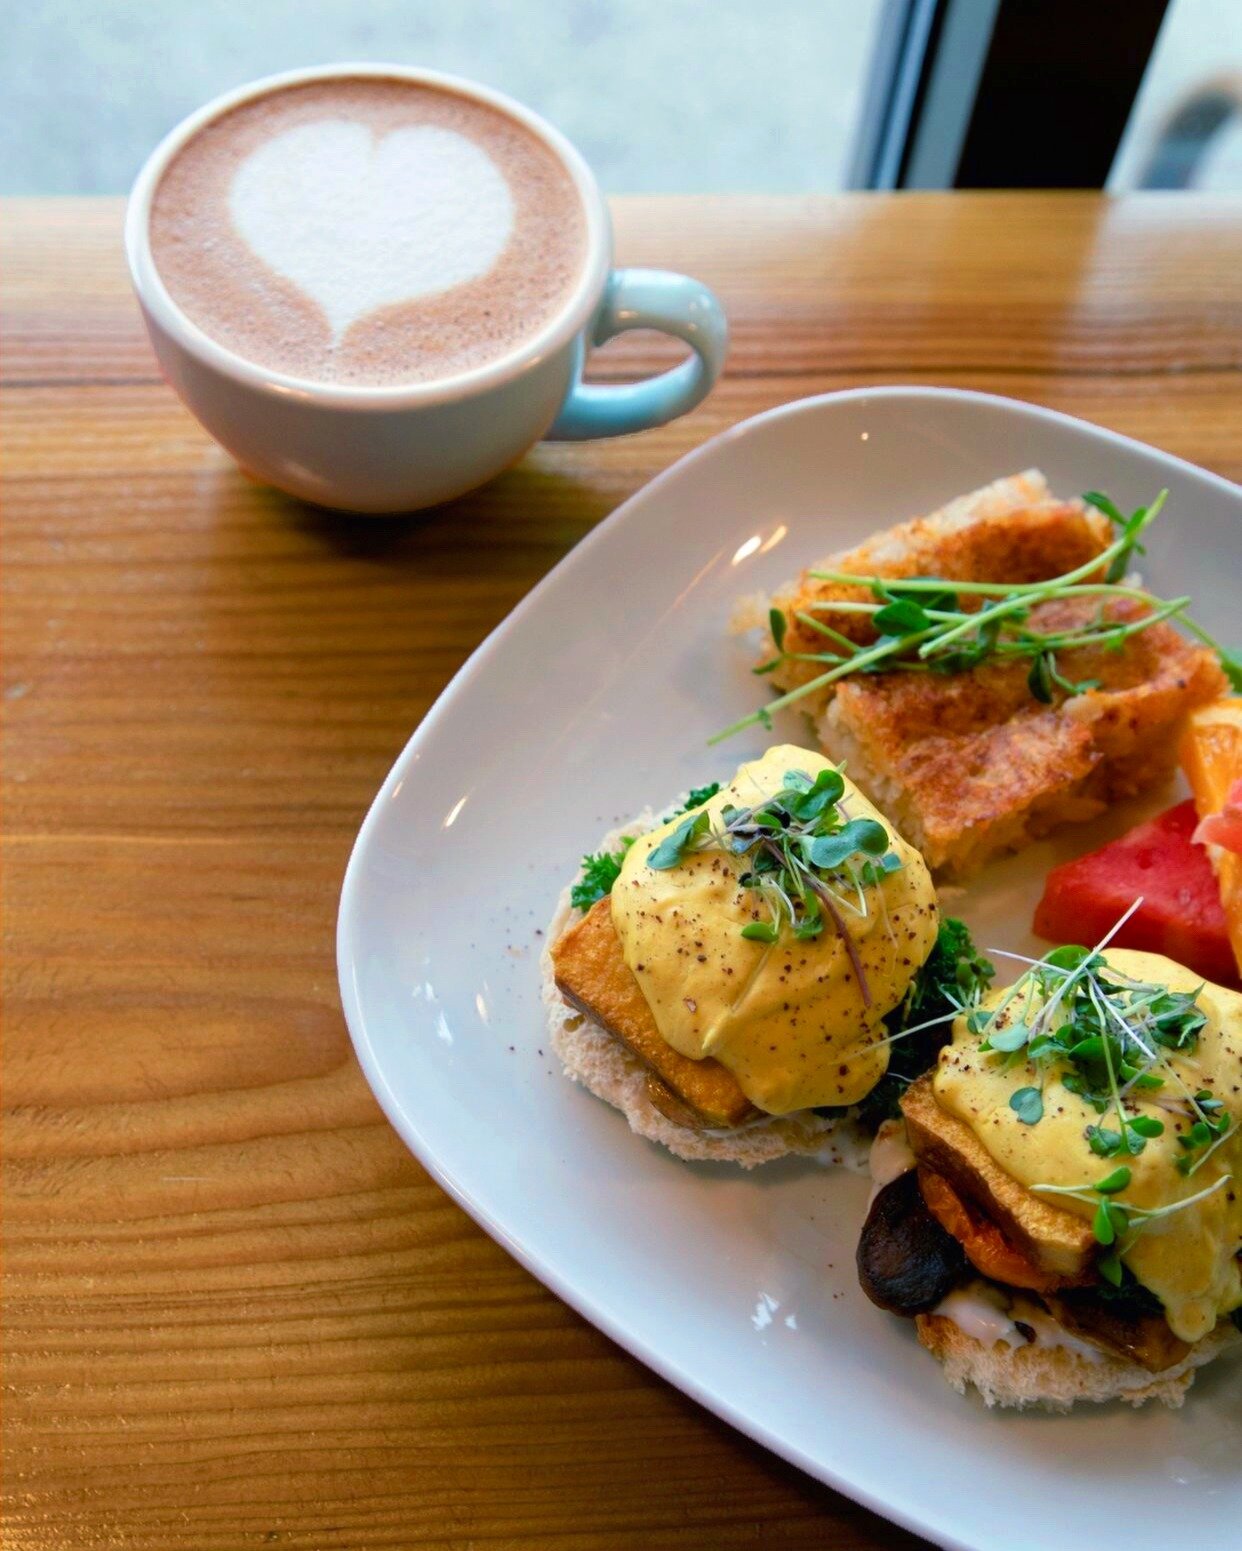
(931, 1527)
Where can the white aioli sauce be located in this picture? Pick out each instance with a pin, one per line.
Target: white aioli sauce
(890, 1155)
(983, 1313)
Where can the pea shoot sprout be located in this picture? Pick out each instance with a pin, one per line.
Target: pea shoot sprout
(930, 625)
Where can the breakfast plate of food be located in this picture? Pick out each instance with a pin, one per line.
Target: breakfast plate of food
(807, 933)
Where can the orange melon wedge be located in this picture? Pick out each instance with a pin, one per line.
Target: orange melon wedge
(1211, 756)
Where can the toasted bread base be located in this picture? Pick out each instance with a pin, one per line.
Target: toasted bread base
(590, 1055)
(1054, 1378)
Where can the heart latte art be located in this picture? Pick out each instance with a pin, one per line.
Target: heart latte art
(368, 230)
(357, 222)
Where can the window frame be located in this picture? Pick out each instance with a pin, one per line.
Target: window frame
(1001, 93)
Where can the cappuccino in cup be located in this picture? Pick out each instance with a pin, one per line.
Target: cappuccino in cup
(368, 231)
(377, 286)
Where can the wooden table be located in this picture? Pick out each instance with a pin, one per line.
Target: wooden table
(239, 1314)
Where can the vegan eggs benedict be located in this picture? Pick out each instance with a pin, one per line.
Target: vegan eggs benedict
(1073, 1225)
(773, 941)
(733, 977)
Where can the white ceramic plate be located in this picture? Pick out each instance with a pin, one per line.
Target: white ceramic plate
(595, 698)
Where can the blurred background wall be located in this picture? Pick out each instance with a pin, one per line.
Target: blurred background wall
(658, 94)
(688, 95)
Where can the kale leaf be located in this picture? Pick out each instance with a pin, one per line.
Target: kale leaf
(696, 797)
(599, 872)
(955, 974)
(602, 869)
(1130, 1300)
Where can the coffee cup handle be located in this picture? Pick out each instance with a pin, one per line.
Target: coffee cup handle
(647, 299)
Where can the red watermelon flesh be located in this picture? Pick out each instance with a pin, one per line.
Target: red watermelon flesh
(1181, 913)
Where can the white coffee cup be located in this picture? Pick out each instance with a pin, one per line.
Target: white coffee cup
(387, 449)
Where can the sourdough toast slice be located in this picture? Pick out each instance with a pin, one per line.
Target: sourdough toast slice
(1012, 531)
(1051, 1238)
(971, 764)
(592, 975)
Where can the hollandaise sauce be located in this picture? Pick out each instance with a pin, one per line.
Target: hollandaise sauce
(785, 983)
(1160, 1133)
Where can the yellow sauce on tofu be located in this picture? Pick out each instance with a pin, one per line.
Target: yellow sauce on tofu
(788, 1018)
(1188, 1259)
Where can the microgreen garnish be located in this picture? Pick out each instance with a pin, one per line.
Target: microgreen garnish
(1028, 1105)
(675, 844)
(1130, 526)
(1210, 1129)
(1116, 1227)
(807, 863)
(1108, 1038)
(925, 624)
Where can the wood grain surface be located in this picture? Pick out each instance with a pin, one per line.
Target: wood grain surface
(238, 1313)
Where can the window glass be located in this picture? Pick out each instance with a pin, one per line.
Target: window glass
(681, 95)
(1186, 127)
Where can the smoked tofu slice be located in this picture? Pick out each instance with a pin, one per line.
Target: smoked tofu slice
(592, 975)
(1050, 1237)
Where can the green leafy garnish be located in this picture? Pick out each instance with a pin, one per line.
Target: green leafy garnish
(929, 625)
(1009, 1039)
(1211, 1128)
(1112, 1223)
(807, 864)
(1104, 1035)
(951, 981)
(1028, 1105)
(831, 851)
(698, 795)
(674, 846)
(1121, 1291)
(602, 869)
(1130, 526)
(599, 872)
(1108, 1037)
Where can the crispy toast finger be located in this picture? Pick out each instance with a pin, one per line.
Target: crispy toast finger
(1012, 531)
(970, 764)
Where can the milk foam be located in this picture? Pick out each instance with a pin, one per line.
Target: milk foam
(368, 230)
(357, 222)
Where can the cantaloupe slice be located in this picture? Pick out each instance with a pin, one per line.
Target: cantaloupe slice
(1211, 756)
